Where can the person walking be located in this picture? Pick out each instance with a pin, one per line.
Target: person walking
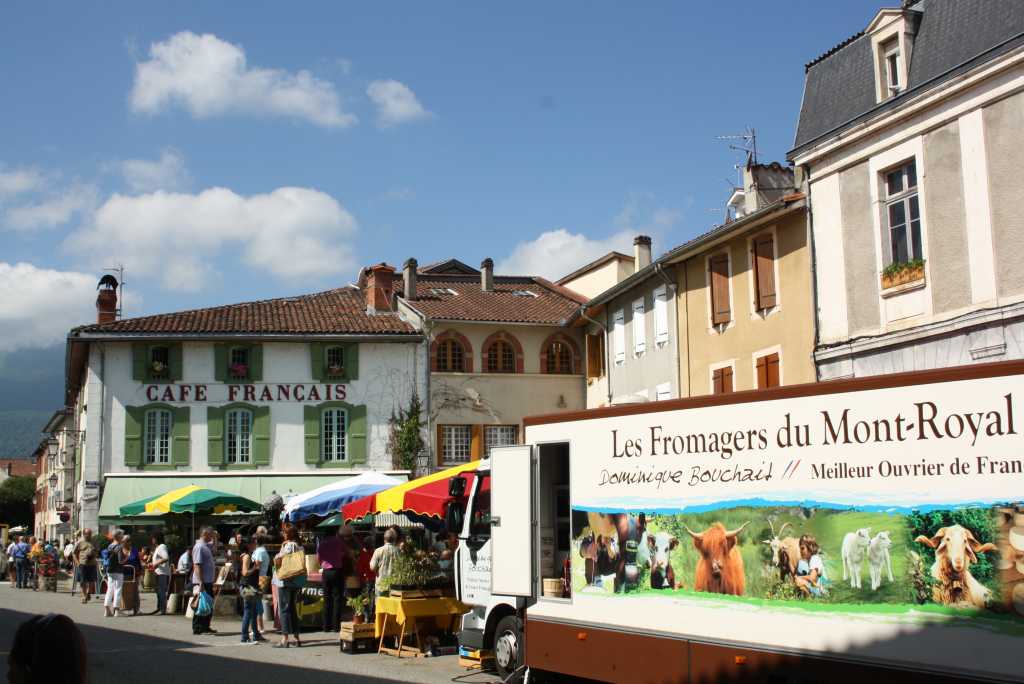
(288, 590)
(262, 556)
(204, 570)
(12, 570)
(160, 564)
(131, 569)
(115, 575)
(84, 555)
(335, 563)
(21, 562)
(248, 589)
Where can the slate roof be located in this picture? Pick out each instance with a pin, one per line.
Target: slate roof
(460, 298)
(340, 311)
(953, 36)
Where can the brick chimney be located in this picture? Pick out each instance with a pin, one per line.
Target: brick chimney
(487, 275)
(106, 300)
(379, 288)
(409, 277)
(641, 252)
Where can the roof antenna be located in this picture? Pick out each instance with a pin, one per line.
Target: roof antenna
(119, 270)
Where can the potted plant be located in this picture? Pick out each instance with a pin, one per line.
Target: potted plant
(335, 370)
(239, 370)
(158, 367)
(358, 604)
(902, 273)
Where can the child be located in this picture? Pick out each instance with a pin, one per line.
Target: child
(810, 570)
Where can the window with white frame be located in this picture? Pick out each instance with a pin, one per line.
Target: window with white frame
(902, 215)
(332, 434)
(456, 443)
(158, 436)
(239, 362)
(619, 335)
(499, 436)
(661, 315)
(891, 67)
(239, 436)
(639, 327)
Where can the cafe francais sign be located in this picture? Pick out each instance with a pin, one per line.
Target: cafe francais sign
(198, 393)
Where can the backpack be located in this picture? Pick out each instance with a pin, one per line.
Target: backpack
(111, 557)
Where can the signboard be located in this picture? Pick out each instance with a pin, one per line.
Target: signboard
(92, 484)
(63, 528)
(881, 525)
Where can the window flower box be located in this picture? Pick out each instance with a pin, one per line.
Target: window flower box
(335, 370)
(158, 367)
(239, 370)
(903, 275)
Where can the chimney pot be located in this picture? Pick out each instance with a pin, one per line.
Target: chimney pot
(641, 252)
(409, 278)
(106, 300)
(487, 275)
(379, 288)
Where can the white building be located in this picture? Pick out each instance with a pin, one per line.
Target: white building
(281, 395)
(910, 139)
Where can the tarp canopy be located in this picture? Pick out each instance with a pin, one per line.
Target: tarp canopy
(120, 489)
(328, 499)
(190, 499)
(424, 496)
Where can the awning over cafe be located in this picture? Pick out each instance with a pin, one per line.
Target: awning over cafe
(121, 489)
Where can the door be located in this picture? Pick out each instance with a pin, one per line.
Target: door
(512, 521)
(473, 555)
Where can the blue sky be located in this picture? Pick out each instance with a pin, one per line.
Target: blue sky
(226, 152)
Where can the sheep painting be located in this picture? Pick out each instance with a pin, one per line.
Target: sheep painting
(956, 549)
(855, 547)
(879, 559)
(720, 566)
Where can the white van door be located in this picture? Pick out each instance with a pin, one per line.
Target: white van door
(512, 521)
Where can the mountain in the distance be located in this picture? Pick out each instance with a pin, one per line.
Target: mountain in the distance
(31, 389)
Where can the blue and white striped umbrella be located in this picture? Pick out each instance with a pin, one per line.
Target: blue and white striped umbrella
(329, 499)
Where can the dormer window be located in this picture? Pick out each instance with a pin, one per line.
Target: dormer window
(891, 66)
(238, 363)
(335, 360)
(159, 362)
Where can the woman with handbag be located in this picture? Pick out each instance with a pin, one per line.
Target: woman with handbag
(248, 589)
(290, 562)
(131, 567)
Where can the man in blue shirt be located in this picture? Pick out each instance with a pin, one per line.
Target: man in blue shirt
(204, 569)
(21, 563)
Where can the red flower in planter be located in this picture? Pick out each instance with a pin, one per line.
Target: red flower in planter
(239, 370)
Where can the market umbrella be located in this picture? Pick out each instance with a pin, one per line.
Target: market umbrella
(424, 496)
(331, 497)
(190, 499)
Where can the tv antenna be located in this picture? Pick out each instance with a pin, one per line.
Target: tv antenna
(746, 142)
(119, 270)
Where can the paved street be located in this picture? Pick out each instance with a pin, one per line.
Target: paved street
(146, 649)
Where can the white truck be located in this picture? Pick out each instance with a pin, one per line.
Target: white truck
(834, 531)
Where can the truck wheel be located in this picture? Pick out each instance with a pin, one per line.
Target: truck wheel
(508, 645)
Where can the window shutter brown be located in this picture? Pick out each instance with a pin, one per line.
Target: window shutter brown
(727, 379)
(768, 371)
(595, 356)
(764, 271)
(719, 275)
(476, 442)
(721, 379)
(716, 381)
(762, 372)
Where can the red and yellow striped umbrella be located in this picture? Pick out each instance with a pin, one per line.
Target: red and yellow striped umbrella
(426, 496)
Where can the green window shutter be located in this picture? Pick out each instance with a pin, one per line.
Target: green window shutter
(311, 415)
(255, 363)
(140, 361)
(352, 361)
(261, 436)
(214, 436)
(220, 362)
(316, 361)
(174, 361)
(357, 434)
(181, 436)
(133, 422)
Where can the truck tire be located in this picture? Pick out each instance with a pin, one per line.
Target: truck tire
(508, 645)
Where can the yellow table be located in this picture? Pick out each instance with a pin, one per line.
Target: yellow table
(399, 616)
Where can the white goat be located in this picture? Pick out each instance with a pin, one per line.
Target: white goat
(956, 549)
(878, 557)
(855, 547)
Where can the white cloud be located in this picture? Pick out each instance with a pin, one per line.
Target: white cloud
(290, 233)
(210, 77)
(556, 253)
(396, 103)
(17, 181)
(39, 306)
(166, 173)
(52, 211)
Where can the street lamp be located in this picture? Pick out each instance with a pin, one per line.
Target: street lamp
(53, 480)
(52, 447)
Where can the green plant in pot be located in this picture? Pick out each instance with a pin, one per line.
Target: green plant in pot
(358, 604)
(412, 569)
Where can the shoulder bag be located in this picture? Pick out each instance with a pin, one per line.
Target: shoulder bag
(292, 565)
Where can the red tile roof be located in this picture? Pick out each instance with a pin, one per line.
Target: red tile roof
(340, 311)
(455, 297)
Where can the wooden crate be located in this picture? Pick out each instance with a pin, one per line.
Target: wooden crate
(350, 631)
(357, 646)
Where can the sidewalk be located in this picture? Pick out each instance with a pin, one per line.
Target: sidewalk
(145, 648)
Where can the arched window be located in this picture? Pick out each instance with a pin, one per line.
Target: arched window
(501, 357)
(239, 436)
(157, 444)
(451, 357)
(558, 358)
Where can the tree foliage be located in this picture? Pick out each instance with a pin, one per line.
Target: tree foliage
(405, 438)
(16, 500)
